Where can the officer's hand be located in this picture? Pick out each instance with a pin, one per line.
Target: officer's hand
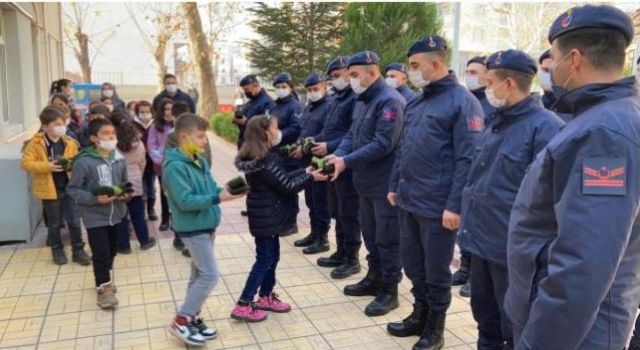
(450, 220)
(124, 197)
(391, 197)
(104, 199)
(297, 154)
(338, 163)
(55, 168)
(225, 196)
(320, 149)
(240, 121)
(317, 174)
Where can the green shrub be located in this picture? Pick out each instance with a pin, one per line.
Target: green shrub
(222, 126)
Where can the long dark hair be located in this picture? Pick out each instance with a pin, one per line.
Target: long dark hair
(256, 143)
(125, 131)
(158, 118)
(58, 85)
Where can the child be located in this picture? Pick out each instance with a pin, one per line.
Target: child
(96, 166)
(134, 152)
(143, 120)
(194, 197)
(50, 181)
(131, 109)
(108, 101)
(271, 210)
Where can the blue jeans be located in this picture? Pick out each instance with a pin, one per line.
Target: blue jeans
(263, 272)
(136, 213)
(57, 210)
(204, 272)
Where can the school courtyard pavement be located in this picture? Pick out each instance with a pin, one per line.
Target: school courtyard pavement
(44, 306)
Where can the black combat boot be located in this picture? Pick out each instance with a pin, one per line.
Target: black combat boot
(334, 260)
(368, 286)
(347, 268)
(305, 242)
(432, 337)
(385, 301)
(462, 275)
(412, 325)
(319, 245)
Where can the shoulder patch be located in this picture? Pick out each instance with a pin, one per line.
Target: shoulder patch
(475, 124)
(604, 176)
(389, 114)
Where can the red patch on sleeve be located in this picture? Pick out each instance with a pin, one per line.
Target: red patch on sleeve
(475, 124)
(389, 115)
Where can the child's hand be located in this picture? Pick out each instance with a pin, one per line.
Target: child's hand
(124, 197)
(320, 149)
(225, 196)
(104, 199)
(55, 168)
(317, 174)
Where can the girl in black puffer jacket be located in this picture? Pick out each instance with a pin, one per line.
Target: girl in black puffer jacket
(272, 211)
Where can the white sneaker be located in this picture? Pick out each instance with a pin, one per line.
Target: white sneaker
(185, 330)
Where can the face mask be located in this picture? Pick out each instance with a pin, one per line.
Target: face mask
(146, 117)
(391, 83)
(172, 88)
(282, 93)
(108, 145)
(249, 95)
(277, 140)
(545, 81)
(559, 90)
(493, 100)
(356, 86)
(315, 96)
(340, 83)
(472, 82)
(191, 148)
(59, 130)
(110, 107)
(107, 93)
(416, 78)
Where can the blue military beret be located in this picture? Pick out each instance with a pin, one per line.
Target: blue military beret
(249, 79)
(283, 78)
(339, 62)
(313, 79)
(364, 58)
(544, 56)
(512, 59)
(592, 16)
(478, 59)
(400, 67)
(428, 44)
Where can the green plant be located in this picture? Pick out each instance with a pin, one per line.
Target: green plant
(222, 125)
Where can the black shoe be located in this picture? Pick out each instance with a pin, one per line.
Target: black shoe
(346, 269)
(292, 231)
(432, 337)
(412, 325)
(461, 276)
(305, 242)
(150, 244)
(465, 290)
(165, 225)
(178, 244)
(320, 245)
(151, 214)
(59, 257)
(244, 213)
(79, 256)
(385, 301)
(124, 251)
(186, 253)
(333, 260)
(368, 286)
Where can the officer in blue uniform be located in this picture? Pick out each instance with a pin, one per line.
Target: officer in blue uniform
(574, 235)
(397, 78)
(315, 194)
(548, 98)
(343, 198)
(368, 149)
(259, 103)
(519, 128)
(432, 162)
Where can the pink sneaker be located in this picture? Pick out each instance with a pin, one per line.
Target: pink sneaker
(273, 304)
(248, 313)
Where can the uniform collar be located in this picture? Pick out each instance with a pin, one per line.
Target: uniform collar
(285, 99)
(319, 102)
(441, 85)
(344, 93)
(479, 93)
(259, 95)
(372, 91)
(579, 100)
(519, 109)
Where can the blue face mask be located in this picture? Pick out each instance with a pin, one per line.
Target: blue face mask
(559, 90)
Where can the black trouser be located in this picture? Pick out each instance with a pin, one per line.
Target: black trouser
(315, 195)
(344, 206)
(164, 203)
(149, 187)
(489, 282)
(136, 213)
(57, 210)
(104, 244)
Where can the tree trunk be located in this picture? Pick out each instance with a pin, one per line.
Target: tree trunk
(202, 56)
(159, 55)
(83, 55)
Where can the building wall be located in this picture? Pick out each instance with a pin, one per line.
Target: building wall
(30, 59)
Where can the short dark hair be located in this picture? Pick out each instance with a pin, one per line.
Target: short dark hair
(143, 103)
(96, 124)
(167, 76)
(59, 96)
(189, 121)
(604, 48)
(125, 131)
(50, 114)
(102, 99)
(100, 109)
(180, 108)
(523, 80)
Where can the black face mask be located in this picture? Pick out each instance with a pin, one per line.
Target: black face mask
(249, 95)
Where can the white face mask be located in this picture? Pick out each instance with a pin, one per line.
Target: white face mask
(109, 145)
(472, 82)
(545, 81)
(172, 88)
(416, 78)
(107, 93)
(110, 107)
(340, 83)
(145, 117)
(282, 93)
(391, 82)
(356, 86)
(59, 130)
(493, 100)
(315, 96)
(277, 140)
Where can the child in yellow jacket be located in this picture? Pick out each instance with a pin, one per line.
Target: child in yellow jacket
(48, 156)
